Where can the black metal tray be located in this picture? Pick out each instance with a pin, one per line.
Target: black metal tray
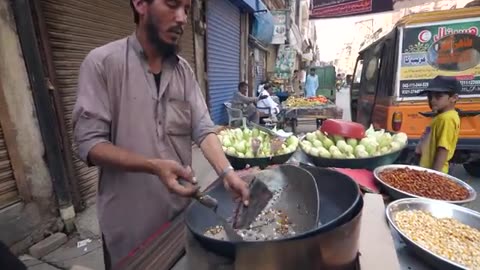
(369, 163)
(242, 163)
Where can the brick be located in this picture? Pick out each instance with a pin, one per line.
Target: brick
(48, 245)
(77, 267)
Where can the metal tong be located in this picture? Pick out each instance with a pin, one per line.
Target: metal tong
(255, 146)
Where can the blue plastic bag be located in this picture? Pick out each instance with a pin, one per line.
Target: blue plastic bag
(263, 26)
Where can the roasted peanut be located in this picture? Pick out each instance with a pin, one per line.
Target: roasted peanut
(424, 184)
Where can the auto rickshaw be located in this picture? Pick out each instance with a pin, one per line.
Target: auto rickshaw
(391, 72)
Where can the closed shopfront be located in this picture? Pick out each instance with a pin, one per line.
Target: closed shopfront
(8, 186)
(223, 55)
(187, 46)
(75, 28)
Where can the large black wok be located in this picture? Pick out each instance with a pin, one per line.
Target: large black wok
(336, 249)
(339, 197)
(299, 200)
(332, 246)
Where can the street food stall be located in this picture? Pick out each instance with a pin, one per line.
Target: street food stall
(326, 212)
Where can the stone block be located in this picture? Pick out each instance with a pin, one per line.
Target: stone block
(48, 245)
(78, 267)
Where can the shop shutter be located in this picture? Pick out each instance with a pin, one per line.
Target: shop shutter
(8, 186)
(223, 55)
(75, 28)
(187, 45)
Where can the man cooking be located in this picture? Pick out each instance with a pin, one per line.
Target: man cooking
(138, 109)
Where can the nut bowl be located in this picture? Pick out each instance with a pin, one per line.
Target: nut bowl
(396, 193)
(437, 209)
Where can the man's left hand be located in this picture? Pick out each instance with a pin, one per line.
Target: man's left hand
(237, 186)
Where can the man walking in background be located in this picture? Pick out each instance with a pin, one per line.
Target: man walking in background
(311, 84)
(296, 84)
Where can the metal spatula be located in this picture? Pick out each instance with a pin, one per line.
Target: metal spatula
(212, 203)
(260, 196)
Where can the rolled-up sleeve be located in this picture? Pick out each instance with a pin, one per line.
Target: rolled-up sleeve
(91, 114)
(202, 124)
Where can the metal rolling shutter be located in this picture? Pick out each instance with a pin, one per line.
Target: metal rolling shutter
(187, 46)
(75, 28)
(223, 55)
(8, 186)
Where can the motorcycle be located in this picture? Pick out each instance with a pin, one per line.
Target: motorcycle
(339, 84)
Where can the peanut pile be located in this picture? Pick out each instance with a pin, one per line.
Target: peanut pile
(424, 184)
(445, 237)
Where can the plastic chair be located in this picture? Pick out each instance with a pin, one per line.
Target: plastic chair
(234, 114)
(267, 119)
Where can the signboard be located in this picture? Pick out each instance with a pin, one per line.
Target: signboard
(285, 62)
(456, 52)
(321, 9)
(279, 26)
(450, 49)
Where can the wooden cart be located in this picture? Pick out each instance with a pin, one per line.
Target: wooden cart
(289, 116)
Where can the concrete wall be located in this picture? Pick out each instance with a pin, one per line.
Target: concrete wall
(22, 224)
(271, 58)
(199, 39)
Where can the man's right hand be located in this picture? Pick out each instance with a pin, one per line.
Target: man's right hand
(170, 172)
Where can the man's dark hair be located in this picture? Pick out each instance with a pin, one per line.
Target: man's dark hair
(295, 71)
(136, 16)
(242, 84)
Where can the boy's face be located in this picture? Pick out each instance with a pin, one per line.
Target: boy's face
(440, 102)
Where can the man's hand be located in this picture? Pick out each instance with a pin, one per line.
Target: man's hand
(170, 172)
(237, 186)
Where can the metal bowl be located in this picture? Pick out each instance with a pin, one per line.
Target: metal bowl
(438, 209)
(369, 163)
(400, 194)
(241, 163)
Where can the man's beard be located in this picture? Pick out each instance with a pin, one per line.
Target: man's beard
(163, 48)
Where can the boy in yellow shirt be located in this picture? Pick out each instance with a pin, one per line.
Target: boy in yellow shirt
(441, 136)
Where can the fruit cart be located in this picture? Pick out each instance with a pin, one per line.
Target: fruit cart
(317, 108)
